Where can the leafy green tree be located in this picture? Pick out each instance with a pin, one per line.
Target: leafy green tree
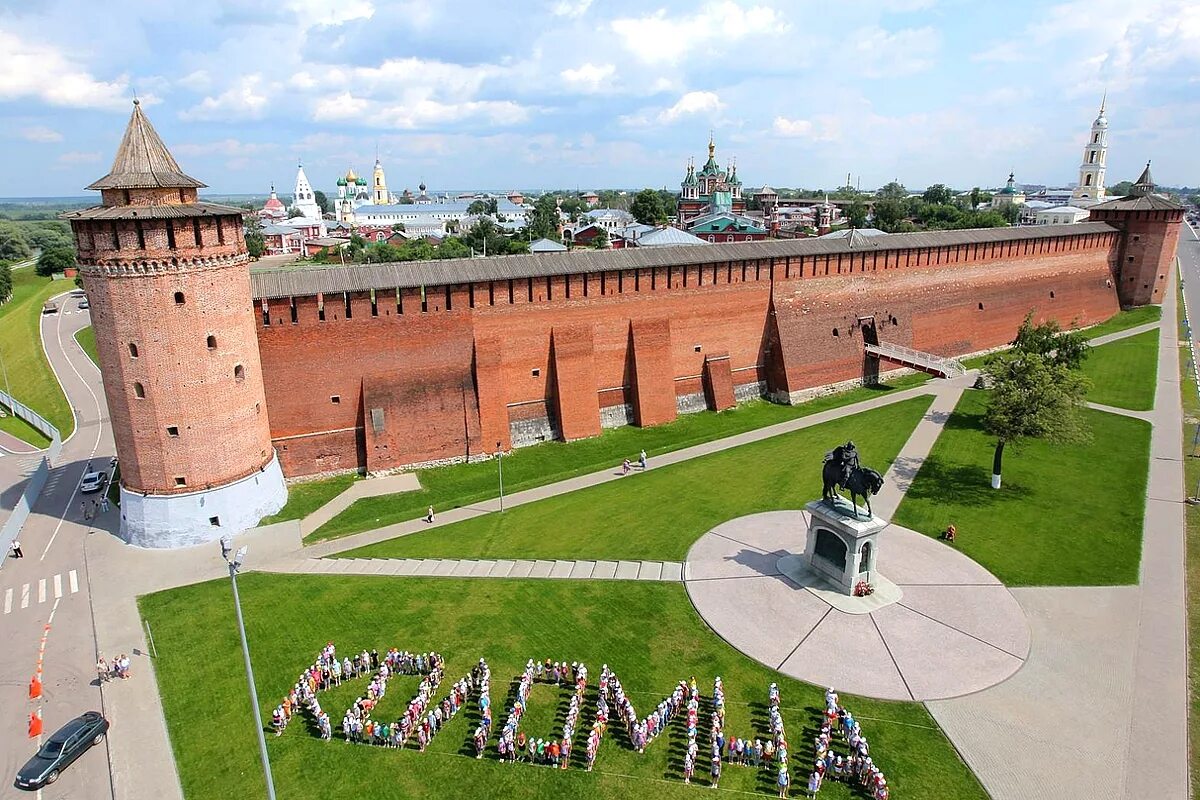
(893, 190)
(55, 259)
(322, 201)
(13, 244)
(1011, 213)
(481, 208)
(976, 198)
(1121, 189)
(1037, 390)
(543, 221)
(255, 244)
(856, 213)
(938, 194)
(600, 240)
(452, 247)
(6, 282)
(888, 213)
(647, 208)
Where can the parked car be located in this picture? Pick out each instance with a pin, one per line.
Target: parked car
(50, 308)
(93, 482)
(84, 303)
(64, 746)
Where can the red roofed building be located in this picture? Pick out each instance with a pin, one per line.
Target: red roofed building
(273, 210)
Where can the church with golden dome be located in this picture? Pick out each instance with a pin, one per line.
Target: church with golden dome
(354, 191)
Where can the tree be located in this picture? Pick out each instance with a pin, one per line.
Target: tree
(13, 244)
(976, 198)
(1121, 189)
(255, 244)
(479, 208)
(893, 190)
(1011, 213)
(938, 194)
(647, 208)
(55, 259)
(543, 221)
(856, 213)
(398, 227)
(5, 281)
(600, 240)
(1037, 390)
(322, 201)
(294, 211)
(452, 247)
(888, 213)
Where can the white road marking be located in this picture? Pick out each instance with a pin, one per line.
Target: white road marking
(58, 586)
(8, 601)
(73, 579)
(25, 596)
(42, 590)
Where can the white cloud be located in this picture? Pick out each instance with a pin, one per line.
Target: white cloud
(659, 39)
(825, 129)
(72, 158)
(563, 8)
(245, 99)
(198, 81)
(35, 69)
(417, 113)
(339, 107)
(312, 13)
(588, 77)
(690, 104)
(224, 147)
(878, 53)
(41, 134)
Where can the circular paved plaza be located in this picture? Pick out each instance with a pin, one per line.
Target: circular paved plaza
(953, 630)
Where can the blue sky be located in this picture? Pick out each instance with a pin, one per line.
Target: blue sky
(597, 93)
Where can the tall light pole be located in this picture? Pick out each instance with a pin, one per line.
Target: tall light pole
(500, 467)
(234, 566)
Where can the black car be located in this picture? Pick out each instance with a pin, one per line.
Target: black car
(64, 746)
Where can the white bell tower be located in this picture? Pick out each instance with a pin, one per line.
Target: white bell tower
(303, 198)
(1091, 172)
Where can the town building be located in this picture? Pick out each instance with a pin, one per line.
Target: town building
(1060, 215)
(725, 226)
(379, 191)
(592, 199)
(304, 199)
(352, 193)
(1008, 196)
(273, 210)
(546, 246)
(427, 216)
(710, 190)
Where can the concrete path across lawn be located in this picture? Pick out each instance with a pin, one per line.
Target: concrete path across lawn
(668, 571)
(391, 484)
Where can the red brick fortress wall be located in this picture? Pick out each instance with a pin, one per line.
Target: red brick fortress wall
(449, 371)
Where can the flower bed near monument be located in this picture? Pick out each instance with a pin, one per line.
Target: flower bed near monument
(658, 514)
(646, 633)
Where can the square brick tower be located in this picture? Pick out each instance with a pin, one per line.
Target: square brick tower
(169, 286)
(1150, 225)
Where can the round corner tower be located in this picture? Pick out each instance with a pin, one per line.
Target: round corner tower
(167, 278)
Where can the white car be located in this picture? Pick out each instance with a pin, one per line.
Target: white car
(84, 303)
(93, 482)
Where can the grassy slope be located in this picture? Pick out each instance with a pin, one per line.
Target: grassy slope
(28, 370)
(659, 514)
(648, 633)
(1125, 320)
(461, 484)
(86, 337)
(305, 498)
(1066, 515)
(1123, 372)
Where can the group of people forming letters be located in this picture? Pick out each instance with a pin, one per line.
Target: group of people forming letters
(425, 716)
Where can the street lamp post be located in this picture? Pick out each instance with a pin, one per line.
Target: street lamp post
(234, 566)
(500, 467)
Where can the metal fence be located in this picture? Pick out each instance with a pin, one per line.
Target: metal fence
(37, 481)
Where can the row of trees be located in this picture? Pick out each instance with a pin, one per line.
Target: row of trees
(20, 240)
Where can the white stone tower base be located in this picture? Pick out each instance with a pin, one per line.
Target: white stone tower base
(183, 520)
(840, 545)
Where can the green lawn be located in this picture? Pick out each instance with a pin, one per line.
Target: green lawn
(1123, 372)
(21, 349)
(648, 633)
(1191, 468)
(1124, 320)
(86, 337)
(1066, 515)
(527, 467)
(305, 498)
(659, 514)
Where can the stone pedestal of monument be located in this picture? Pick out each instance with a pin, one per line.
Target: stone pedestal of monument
(841, 545)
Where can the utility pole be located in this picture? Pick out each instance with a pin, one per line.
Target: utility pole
(500, 467)
(234, 566)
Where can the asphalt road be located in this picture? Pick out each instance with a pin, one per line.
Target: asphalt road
(46, 594)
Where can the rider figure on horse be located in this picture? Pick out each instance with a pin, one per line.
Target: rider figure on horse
(845, 456)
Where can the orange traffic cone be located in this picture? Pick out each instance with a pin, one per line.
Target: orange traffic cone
(35, 688)
(35, 724)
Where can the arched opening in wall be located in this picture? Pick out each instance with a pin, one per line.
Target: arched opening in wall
(211, 342)
(1052, 295)
(239, 373)
(133, 351)
(835, 332)
(981, 306)
(1087, 180)
(139, 391)
(179, 300)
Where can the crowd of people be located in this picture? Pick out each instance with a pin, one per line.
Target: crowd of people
(117, 668)
(513, 744)
(856, 767)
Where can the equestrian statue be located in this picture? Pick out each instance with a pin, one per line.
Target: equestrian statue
(842, 471)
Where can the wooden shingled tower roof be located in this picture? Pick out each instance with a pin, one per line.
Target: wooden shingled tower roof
(143, 161)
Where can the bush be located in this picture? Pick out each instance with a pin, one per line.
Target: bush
(55, 259)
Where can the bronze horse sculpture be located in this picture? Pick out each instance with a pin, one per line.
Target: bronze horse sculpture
(842, 471)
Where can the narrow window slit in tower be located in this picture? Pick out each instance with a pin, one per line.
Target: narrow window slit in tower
(196, 232)
(170, 235)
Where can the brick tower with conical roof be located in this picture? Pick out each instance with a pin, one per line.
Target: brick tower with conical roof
(168, 280)
(1150, 223)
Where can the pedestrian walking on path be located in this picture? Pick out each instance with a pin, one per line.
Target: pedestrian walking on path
(104, 504)
(642, 459)
(16, 549)
(429, 515)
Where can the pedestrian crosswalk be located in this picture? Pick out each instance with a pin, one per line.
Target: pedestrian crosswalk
(54, 588)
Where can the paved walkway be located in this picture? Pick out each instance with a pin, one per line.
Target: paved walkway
(471, 568)
(372, 487)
